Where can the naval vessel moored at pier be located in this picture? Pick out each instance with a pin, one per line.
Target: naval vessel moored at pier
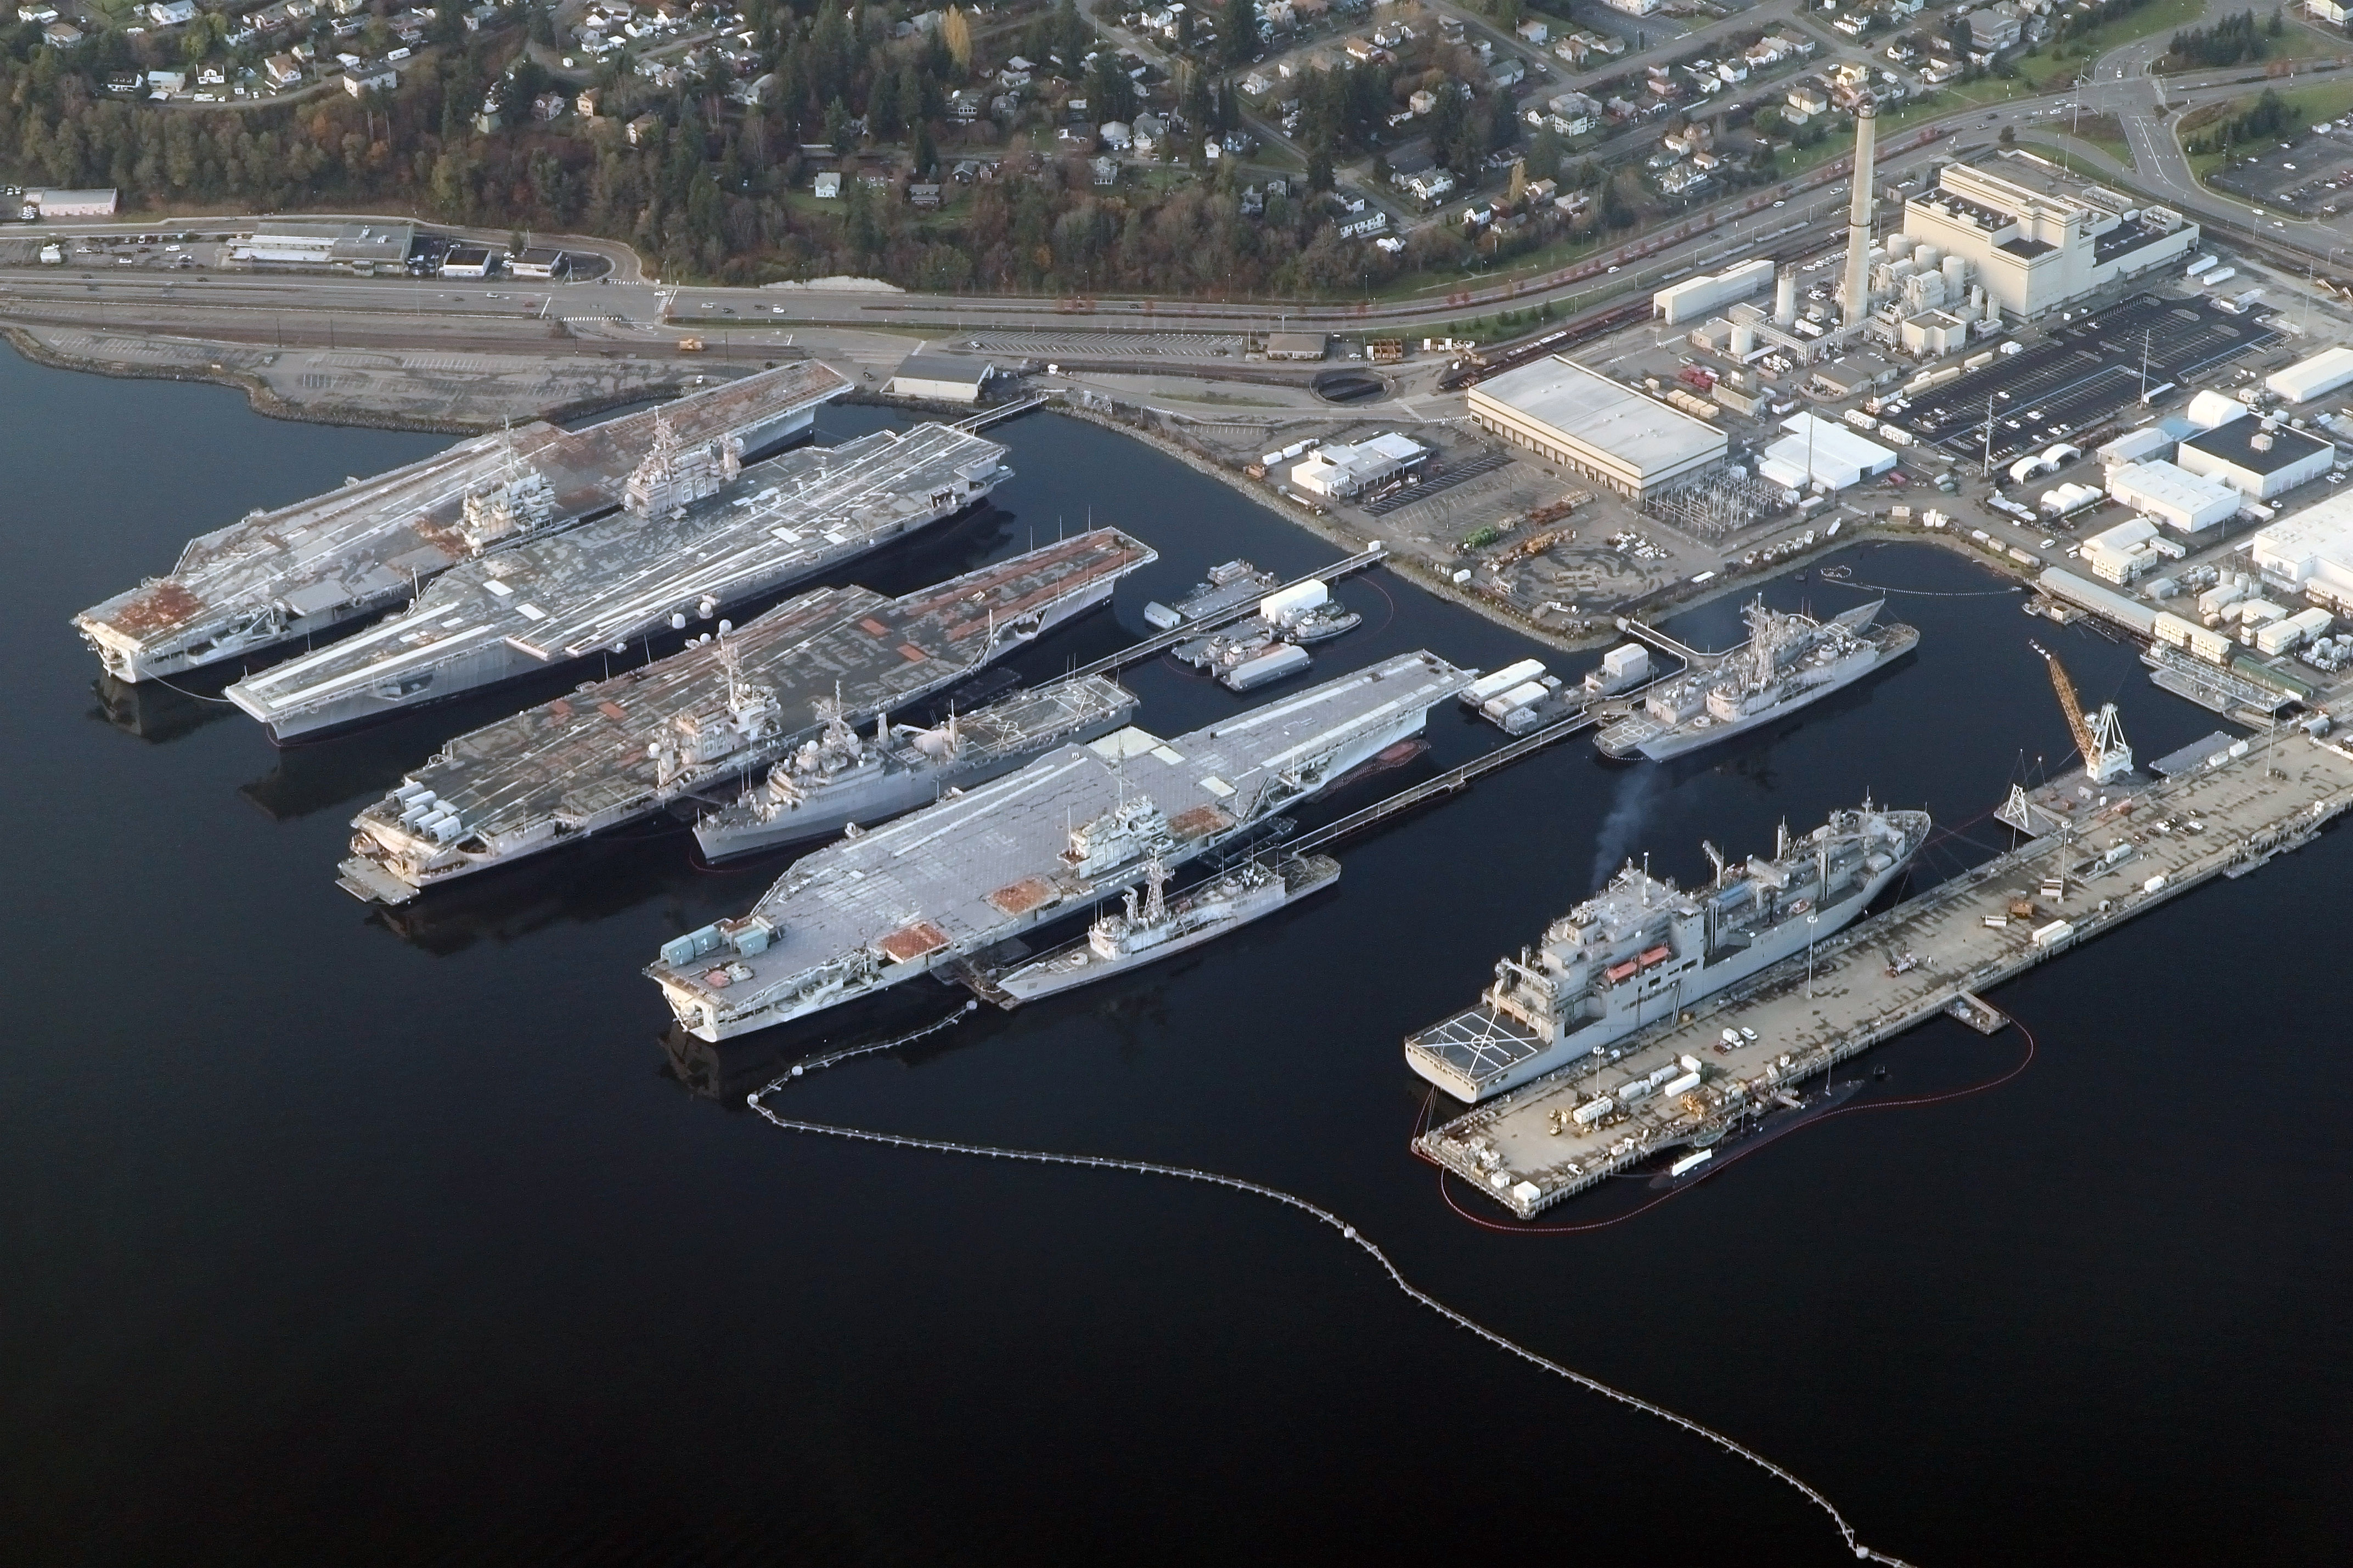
(1056, 837)
(697, 533)
(301, 571)
(618, 750)
(841, 778)
(1641, 948)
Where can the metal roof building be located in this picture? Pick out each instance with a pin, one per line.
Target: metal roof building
(2312, 549)
(1593, 426)
(941, 378)
(2256, 456)
(2180, 500)
(1822, 451)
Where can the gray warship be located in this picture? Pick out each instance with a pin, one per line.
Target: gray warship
(1789, 660)
(1642, 949)
(308, 569)
(1153, 927)
(840, 779)
(697, 533)
(695, 722)
(942, 885)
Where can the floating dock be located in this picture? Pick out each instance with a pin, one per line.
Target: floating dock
(306, 569)
(618, 750)
(697, 534)
(1935, 953)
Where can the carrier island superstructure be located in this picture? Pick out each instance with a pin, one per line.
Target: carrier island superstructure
(296, 572)
(1642, 949)
(1073, 828)
(698, 721)
(697, 533)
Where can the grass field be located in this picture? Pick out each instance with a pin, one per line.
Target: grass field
(2049, 72)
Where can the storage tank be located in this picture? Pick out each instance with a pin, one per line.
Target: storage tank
(1955, 270)
(1926, 256)
(1900, 242)
(1743, 340)
(1785, 297)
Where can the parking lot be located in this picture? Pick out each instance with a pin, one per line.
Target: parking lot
(2088, 372)
(2314, 176)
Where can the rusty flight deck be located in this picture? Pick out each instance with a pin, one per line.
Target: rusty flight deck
(300, 571)
(1932, 954)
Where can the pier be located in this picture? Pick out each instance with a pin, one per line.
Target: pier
(1937, 952)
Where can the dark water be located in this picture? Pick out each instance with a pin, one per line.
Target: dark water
(332, 1240)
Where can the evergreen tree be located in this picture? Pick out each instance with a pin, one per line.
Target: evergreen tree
(1238, 30)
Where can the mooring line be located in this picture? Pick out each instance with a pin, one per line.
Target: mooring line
(1313, 1211)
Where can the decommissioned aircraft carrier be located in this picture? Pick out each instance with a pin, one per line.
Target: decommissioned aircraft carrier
(282, 575)
(1064, 833)
(696, 534)
(618, 750)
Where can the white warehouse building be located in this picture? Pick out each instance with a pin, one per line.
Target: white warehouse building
(1694, 297)
(2306, 379)
(1343, 470)
(1822, 451)
(1597, 428)
(2311, 549)
(2184, 501)
(2256, 456)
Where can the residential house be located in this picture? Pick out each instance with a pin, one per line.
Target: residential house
(1807, 100)
(1106, 171)
(549, 106)
(1535, 32)
(1149, 134)
(644, 129)
(926, 194)
(61, 35)
(1117, 135)
(370, 76)
(829, 186)
(1428, 185)
(1423, 101)
(1509, 71)
(39, 14)
(1996, 27)
(586, 104)
(283, 71)
(172, 13)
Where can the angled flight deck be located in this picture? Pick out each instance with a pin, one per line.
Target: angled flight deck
(696, 534)
(303, 570)
(618, 750)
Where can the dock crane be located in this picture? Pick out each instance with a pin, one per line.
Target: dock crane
(2101, 737)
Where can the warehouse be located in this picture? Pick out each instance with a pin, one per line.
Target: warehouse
(2183, 502)
(1297, 345)
(2306, 379)
(73, 203)
(1821, 451)
(2038, 246)
(941, 378)
(2256, 456)
(1345, 470)
(1592, 426)
(2140, 446)
(2121, 553)
(326, 243)
(2311, 549)
(1697, 297)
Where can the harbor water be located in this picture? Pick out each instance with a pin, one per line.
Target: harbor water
(354, 1236)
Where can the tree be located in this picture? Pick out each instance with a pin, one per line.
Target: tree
(1238, 30)
(927, 156)
(836, 124)
(1319, 168)
(956, 34)
(882, 113)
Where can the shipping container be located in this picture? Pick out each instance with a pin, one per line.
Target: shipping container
(2053, 935)
(1679, 1084)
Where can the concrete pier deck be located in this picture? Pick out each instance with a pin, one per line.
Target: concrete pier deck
(1884, 975)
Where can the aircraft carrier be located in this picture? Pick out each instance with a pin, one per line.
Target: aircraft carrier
(1790, 661)
(303, 570)
(618, 750)
(1642, 948)
(1071, 830)
(841, 778)
(697, 533)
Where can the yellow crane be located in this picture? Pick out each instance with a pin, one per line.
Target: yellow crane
(2100, 737)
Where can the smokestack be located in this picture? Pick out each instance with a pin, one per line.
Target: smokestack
(1785, 297)
(1858, 218)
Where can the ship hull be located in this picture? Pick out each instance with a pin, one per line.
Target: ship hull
(495, 661)
(1788, 940)
(1684, 739)
(1081, 964)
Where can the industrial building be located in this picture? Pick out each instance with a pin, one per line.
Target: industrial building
(2151, 441)
(73, 203)
(1592, 426)
(1822, 451)
(1695, 297)
(2311, 549)
(941, 378)
(2256, 456)
(2033, 247)
(2183, 502)
(1297, 345)
(1346, 470)
(2308, 379)
(326, 243)
(2121, 553)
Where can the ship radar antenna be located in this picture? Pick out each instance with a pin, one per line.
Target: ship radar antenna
(1156, 903)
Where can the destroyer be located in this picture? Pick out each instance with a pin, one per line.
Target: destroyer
(1152, 928)
(1642, 949)
(697, 533)
(839, 778)
(1071, 830)
(303, 570)
(618, 750)
(1790, 661)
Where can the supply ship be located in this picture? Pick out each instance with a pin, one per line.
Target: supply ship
(1642, 949)
(1153, 928)
(840, 779)
(1788, 661)
(943, 884)
(697, 533)
(695, 722)
(308, 569)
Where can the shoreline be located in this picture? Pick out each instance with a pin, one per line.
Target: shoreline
(265, 401)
